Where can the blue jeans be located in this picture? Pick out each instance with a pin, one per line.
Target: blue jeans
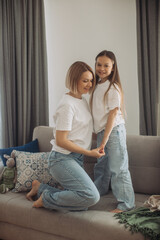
(113, 167)
(79, 190)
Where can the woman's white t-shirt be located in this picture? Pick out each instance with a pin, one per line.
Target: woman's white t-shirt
(100, 109)
(73, 115)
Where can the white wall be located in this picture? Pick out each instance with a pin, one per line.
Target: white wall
(79, 30)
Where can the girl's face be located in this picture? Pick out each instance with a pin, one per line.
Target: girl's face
(104, 67)
(84, 83)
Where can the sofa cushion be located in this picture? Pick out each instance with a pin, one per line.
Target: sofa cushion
(29, 147)
(31, 166)
(96, 223)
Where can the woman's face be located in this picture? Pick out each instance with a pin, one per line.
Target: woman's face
(84, 83)
(104, 67)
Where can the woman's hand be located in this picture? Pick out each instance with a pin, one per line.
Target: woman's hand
(97, 152)
(62, 141)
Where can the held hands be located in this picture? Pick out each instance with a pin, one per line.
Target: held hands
(97, 152)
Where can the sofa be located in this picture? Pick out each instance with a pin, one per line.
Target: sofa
(20, 221)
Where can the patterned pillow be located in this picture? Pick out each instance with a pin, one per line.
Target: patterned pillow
(31, 166)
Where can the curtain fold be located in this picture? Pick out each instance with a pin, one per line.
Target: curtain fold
(23, 66)
(158, 125)
(147, 40)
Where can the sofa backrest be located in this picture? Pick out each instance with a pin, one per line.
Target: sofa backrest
(44, 134)
(144, 163)
(144, 158)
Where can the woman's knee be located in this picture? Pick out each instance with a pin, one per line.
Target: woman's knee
(96, 197)
(92, 198)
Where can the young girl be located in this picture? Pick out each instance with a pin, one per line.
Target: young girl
(72, 139)
(107, 110)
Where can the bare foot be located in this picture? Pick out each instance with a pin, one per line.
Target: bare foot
(38, 203)
(34, 190)
(116, 210)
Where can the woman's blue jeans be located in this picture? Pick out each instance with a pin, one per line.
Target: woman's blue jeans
(113, 167)
(79, 190)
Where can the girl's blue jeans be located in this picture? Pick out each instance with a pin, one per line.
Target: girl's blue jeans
(79, 190)
(113, 167)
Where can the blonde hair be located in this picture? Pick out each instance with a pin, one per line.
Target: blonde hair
(114, 79)
(74, 74)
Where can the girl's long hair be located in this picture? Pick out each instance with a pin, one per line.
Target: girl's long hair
(113, 78)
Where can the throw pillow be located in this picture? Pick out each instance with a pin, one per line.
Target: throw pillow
(31, 166)
(29, 147)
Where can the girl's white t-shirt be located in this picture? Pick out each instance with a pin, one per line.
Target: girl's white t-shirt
(100, 109)
(73, 115)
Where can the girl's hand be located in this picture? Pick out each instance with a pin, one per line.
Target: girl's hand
(101, 148)
(104, 141)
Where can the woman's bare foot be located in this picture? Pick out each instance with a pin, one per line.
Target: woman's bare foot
(116, 210)
(38, 203)
(34, 190)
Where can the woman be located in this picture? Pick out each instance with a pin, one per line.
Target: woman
(72, 140)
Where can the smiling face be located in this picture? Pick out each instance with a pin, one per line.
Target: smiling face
(104, 67)
(84, 83)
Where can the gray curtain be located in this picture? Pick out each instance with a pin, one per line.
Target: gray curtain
(23, 70)
(147, 39)
(158, 126)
